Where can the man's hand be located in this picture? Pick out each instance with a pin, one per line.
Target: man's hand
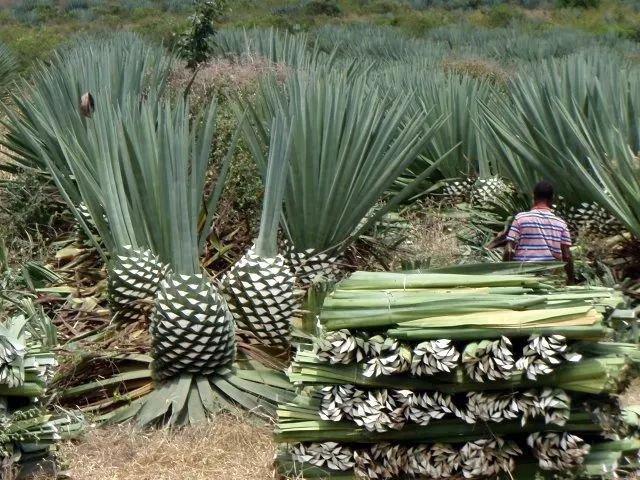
(567, 258)
(509, 251)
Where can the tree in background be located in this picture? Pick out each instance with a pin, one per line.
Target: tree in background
(194, 44)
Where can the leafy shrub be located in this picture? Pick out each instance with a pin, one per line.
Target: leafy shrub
(419, 23)
(579, 3)
(502, 16)
(160, 28)
(384, 6)
(322, 7)
(36, 44)
(633, 33)
(30, 212)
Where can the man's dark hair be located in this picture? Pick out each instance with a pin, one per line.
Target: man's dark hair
(543, 191)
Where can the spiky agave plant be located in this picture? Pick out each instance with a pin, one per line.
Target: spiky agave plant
(111, 69)
(27, 361)
(296, 50)
(350, 143)
(118, 70)
(100, 168)
(459, 98)
(569, 124)
(28, 432)
(149, 182)
(8, 68)
(193, 333)
(170, 229)
(470, 172)
(192, 329)
(260, 287)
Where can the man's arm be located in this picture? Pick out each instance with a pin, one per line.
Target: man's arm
(512, 241)
(567, 258)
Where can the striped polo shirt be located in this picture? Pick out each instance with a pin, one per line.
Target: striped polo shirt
(538, 236)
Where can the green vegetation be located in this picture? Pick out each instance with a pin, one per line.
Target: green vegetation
(8, 67)
(204, 179)
(34, 28)
(194, 45)
(322, 217)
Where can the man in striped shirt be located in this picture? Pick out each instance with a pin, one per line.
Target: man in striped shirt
(539, 235)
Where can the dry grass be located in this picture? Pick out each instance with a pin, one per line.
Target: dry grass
(430, 240)
(632, 395)
(228, 448)
(225, 74)
(478, 68)
(4, 157)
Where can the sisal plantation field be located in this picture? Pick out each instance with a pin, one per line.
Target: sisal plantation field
(266, 239)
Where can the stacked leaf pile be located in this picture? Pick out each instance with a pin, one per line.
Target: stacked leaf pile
(28, 432)
(433, 375)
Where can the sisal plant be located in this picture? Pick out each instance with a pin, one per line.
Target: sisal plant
(350, 142)
(573, 120)
(8, 68)
(155, 200)
(29, 429)
(260, 288)
(134, 172)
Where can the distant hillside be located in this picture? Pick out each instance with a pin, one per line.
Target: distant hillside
(33, 28)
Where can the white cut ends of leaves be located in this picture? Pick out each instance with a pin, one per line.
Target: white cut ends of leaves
(341, 347)
(387, 357)
(479, 458)
(434, 356)
(383, 410)
(542, 354)
(489, 360)
(558, 451)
